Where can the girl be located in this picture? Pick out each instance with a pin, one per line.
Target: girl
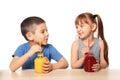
(86, 25)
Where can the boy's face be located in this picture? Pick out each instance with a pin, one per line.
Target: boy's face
(41, 34)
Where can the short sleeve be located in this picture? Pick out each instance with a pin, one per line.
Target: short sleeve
(21, 50)
(18, 52)
(55, 54)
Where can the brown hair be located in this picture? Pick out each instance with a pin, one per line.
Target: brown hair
(27, 24)
(90, 18)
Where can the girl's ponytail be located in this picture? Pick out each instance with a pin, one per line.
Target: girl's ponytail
(101, 35)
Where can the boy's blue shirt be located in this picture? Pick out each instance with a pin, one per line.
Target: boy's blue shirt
(48, 50)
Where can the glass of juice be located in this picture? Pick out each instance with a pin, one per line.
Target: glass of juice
(89, 61)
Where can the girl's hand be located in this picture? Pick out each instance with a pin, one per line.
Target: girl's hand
(47, 67)
(84, 51)
(96, 67)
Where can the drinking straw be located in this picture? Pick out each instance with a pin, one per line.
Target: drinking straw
(88, 43)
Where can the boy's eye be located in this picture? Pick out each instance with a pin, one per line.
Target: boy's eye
(46, 30)
(41, 31)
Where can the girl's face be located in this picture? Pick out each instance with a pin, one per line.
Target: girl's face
(41, 34)
(83, 30)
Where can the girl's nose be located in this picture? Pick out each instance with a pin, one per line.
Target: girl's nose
(79, 29)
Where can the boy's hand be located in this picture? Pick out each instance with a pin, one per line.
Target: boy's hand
(35, 48)
(47, 67)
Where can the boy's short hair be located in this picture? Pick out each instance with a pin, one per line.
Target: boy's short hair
(27, 24)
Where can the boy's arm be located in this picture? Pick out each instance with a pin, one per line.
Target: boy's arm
(61, 64)
(17, 62)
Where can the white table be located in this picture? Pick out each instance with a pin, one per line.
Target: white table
(61, 74)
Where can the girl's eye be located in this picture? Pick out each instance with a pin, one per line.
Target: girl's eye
(82, 26)
(76, 27)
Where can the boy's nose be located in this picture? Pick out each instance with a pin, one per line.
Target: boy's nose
(46, 33)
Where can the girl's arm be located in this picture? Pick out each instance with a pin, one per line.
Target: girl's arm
(103, 63)
(75, 62)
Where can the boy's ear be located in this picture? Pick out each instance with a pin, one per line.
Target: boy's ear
(94, 27)
(29, 36)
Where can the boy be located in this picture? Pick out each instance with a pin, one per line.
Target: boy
(35, 32)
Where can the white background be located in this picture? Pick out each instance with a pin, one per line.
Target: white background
(59, 16)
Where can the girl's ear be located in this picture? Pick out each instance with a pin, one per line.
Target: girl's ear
(94, 26)
(29, 36)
